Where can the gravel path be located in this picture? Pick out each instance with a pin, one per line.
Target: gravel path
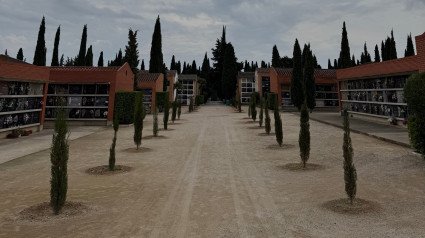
(213, 175)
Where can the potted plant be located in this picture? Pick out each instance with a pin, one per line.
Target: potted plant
(14, 134)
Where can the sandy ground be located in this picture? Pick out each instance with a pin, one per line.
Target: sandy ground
(215, 176)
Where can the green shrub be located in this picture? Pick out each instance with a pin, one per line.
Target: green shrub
(267, 121)
(160, 99)
(166, 114)
(416, 129)
(271, 100)
(124, 105)
(304, 137)
(138, 123)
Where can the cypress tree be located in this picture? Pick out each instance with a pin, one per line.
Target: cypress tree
(5, 52)
(239, 104)
(353, 61)
(191, 107)
(229, 73)
(174, 114)
(267, 120)
(40, 49)
(329, 64)
(89, 56)
(249, 109)
(365, 57)
(179, 110)
(304, 137)
(116, 125)
(218, 57)
(278, 125)
(344, 54)
(253, 107)
(173, 63)
(61, 62)
(132, 54)
(59, 153)
(20, 55)
(166, 113)
(377, 57)
(55, 56)
(336, 66)
(155, 122)
(260, 121)
(156, 63)
(410, 50)
(308, 75)
(350, 174)
(393, 49)
(100, 61)
(297, 87)
(142, 66)
(276, 60)
(263, 64)
(119, 59)
(138, 122)
(81, 59)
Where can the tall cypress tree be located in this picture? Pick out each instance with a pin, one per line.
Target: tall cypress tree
(218, 53)
(410, 50)
(336, 66)
(142, 66)
(205, 69)
(329, 64)
(81, 58)
(5, 52)
(229, 73)
(344, 54)
(377, 57)
(383, 51)
(40, 48)
(156, 63)
(276, 60)
(20, 55)
(132, 54)
(365, 57)
(297, 87)
(55, 56)
(308, 78)
(393, 49)
(173, 63)
(61, 62)
(100, 61)
(89, 57)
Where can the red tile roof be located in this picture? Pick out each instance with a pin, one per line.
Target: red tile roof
(145, 76)
(84, 68)
(318, 73)
(262, 70)
(19, 71)
(403, 65)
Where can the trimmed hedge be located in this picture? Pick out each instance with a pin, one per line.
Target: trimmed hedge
(271, 100)
(160, 99)
(124, 105)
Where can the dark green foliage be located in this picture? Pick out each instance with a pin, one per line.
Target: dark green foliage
(138, 122)
(5, 52)
(308, 75)
(344, 55)
(229, 73)
(116, 125)
(350, 174)
(155, 122)
(61, 62)
(253, 107)
(89, 57)
(267, 121)
(377, 57)
(125, 104)
(239, 105)
(304, 137)
(191, 105)
(249, 109)
(81, 59)
(278, 125)
(335, 64)
(365, 57)
(388, 48)
(40, 48)
(329, 64)
(215, 81)
(410, 50)
(100, 61)
(297, 87)
(271, 100)
(173, 65)
(20, 55)
(59, 153)
(260, 117)
(55, 56)
(174, 113)
(199, 99)
(161, 98)
(166, 114)
(156, 62)
(179, 110)
(414, 94)
(276, 60)
(393, 49)
(132, 54)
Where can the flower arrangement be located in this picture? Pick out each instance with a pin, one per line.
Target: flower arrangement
(392, 121)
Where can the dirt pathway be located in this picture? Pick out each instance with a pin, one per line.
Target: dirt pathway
(215, 176)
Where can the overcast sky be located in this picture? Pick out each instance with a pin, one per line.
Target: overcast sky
(191, 27)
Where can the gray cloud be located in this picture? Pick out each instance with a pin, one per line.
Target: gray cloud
(190, 28)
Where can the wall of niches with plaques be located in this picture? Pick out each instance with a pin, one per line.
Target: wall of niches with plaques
(20, 104)
(80, 101)
(382, 97)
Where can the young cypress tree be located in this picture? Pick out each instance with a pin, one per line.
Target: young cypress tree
(249, 109)
(100, 61)
(81, 59)
(410, 50)
(174, 114)
(350, 174)
(89, 56)
(276, 60)
(260, 121)
(138, 122)
(40, 49)
(116, 125)
(267, 120)
(239, 105)
(297, 87)
(132, 54)
(304, 137)
(229, 73)
(179, 110)
(166, 113)
(55, 56)
(377, 57)
(308, 76)
(156, 63)
(278, 125)
(344, 54)
(59, 153)
(155, 122)
(191, 105)
(253, 107)
(20, 55)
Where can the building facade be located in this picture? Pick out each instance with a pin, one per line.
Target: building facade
(190, 88)
(149, 84)
(246, 86)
